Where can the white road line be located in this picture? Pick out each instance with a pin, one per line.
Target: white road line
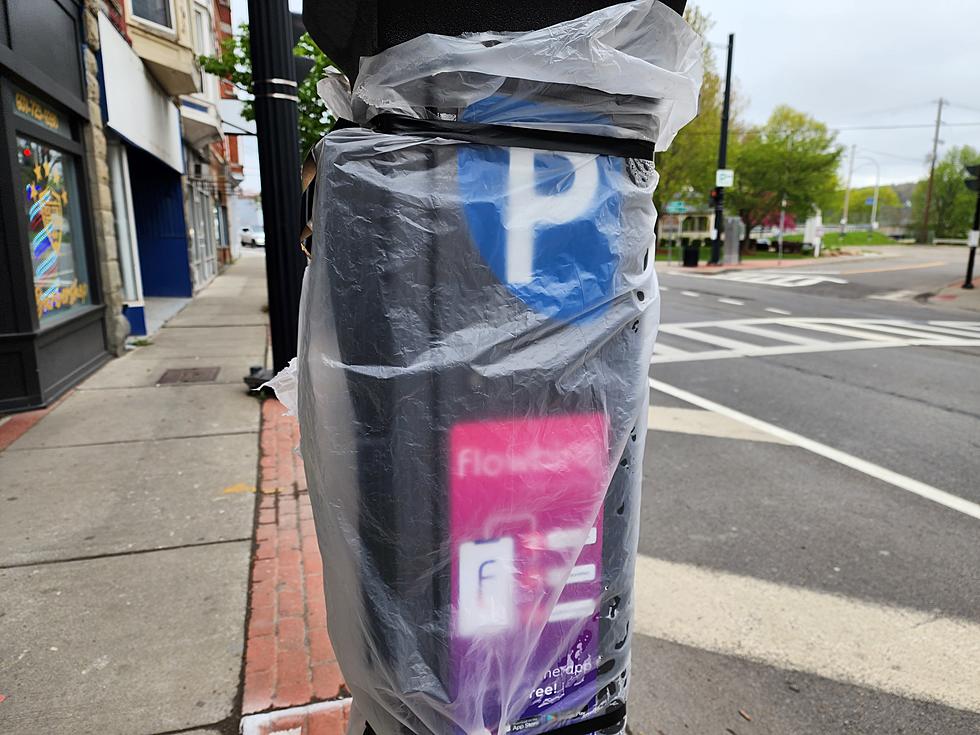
(661, 349)
(704, 423)
(894, 296)
(773, 334)
(915, 332)
(693, 294)
(680, 331)
(841, 330)
(909, 653)
(931, 329)
(969, 326)
(733, 302)
(878, 472)
(779, 278)
(782, 312)
(775, 351)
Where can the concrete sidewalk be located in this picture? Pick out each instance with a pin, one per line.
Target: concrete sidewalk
(957, 297)
(126, 532)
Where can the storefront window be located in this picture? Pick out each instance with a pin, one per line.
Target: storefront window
(155, 11)
(54, 229)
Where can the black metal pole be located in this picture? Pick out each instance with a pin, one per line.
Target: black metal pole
(968, 283)
(274, 74)
(723, 155)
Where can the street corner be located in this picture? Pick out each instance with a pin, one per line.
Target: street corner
(956, 297)
(322, 718)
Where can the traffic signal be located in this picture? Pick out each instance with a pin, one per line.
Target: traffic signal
(973, 183)
(714, 197)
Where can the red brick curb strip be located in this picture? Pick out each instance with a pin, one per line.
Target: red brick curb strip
(13, 427)
(289, 661)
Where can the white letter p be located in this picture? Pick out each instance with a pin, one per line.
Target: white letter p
(526, 209)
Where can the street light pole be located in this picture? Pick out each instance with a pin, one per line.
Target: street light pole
(782, 225)
(874, 206)
(847, 195)
(276, 117)
(723, 155)
(874, 202)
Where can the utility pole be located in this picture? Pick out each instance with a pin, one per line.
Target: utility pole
(932, 172)
(847, 195)
(276, 116)
(723, 155)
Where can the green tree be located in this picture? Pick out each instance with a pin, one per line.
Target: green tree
(688, 167)
(792, 156)
(234, 63)
(858, 208)
(951, 213)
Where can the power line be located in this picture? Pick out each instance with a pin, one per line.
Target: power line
(893, 110)
(902, 127)
(963, 107)
(917, 159)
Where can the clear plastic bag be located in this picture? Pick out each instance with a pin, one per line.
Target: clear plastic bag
(476, 329)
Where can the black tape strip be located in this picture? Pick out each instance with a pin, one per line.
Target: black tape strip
(611, 718)
(508, 136)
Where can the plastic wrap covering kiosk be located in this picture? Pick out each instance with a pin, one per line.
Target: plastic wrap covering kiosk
(476, 328)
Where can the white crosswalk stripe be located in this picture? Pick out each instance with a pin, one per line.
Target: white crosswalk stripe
(728, 339)
(784, 279)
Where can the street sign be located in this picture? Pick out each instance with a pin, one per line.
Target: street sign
(869, 201)
(677, 207)
(725, 177)
(973, 239)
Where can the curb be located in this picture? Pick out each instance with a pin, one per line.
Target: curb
(956, 296)
(322, 718)
(292, 678)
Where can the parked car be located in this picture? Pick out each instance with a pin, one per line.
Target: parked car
(253, 237)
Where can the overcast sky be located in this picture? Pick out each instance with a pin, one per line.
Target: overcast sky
(860, 63)
(849, 63)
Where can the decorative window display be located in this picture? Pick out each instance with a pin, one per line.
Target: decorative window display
(54, 229)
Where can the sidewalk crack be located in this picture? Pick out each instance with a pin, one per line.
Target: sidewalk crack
(132, 552)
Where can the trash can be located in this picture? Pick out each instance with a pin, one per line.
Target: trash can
(477, 323)
(691, 253)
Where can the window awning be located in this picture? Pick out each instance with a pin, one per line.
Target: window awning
(142, 113)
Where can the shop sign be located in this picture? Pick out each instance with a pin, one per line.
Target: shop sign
(30, 108)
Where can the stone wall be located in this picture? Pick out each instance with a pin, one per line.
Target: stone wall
(96, 151)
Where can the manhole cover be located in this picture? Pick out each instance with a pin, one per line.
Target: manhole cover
(189, 375)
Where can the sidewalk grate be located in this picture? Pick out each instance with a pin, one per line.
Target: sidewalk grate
(177, 376)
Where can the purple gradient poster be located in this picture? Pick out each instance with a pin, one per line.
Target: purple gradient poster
(526, 501)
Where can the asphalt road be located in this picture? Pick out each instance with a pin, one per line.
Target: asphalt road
(810, 534)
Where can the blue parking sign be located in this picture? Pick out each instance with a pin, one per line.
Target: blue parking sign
(547, 224)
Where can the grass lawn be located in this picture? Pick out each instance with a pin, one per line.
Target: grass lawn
(834, 239)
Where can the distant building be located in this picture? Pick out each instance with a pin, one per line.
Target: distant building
(119, 184)
(60, 306)
(172, 168)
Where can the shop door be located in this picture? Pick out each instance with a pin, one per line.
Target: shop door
(203, 246)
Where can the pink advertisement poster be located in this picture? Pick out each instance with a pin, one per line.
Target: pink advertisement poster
(526, 535)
